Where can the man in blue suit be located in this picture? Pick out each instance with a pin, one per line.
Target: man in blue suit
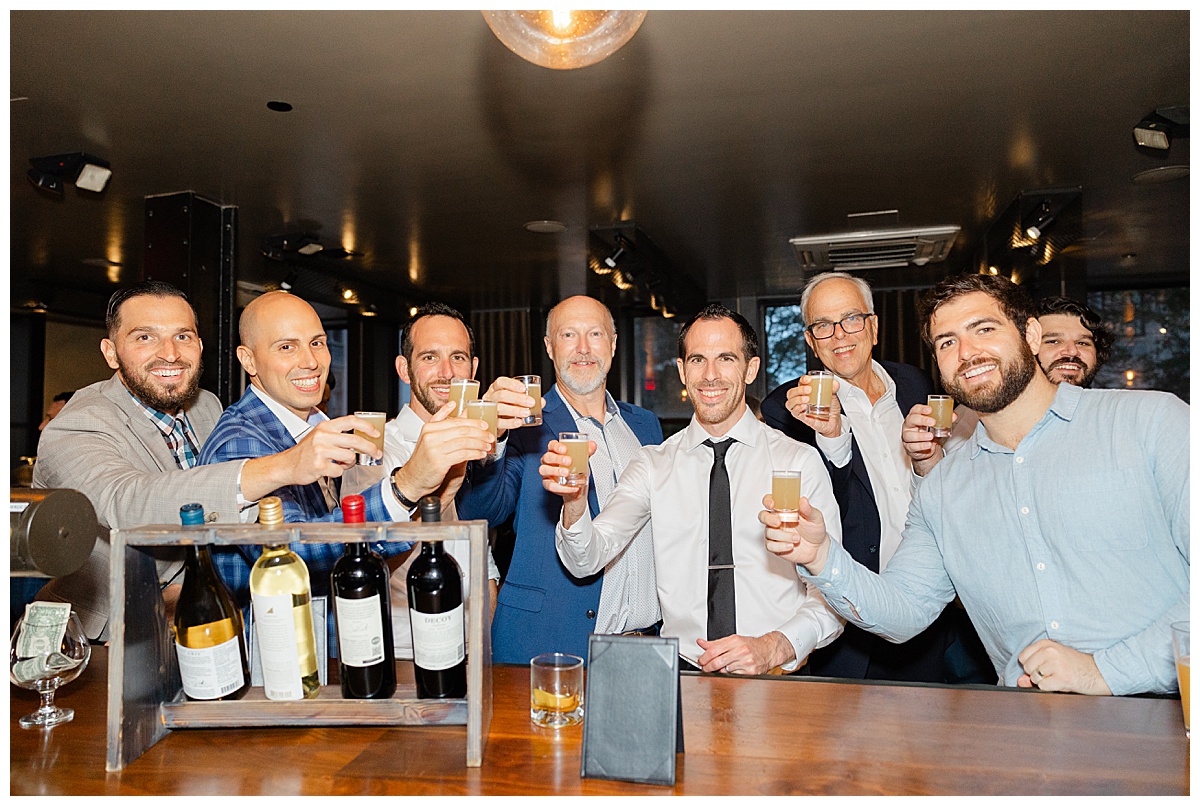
(541, 606)
(871, 474)
(284, 352)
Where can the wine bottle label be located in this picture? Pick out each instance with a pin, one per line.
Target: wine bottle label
(210, 672)
(438, 639)
(359, 631)
(276, 628)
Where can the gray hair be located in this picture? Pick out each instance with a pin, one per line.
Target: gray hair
(864, 288)
(612, 323)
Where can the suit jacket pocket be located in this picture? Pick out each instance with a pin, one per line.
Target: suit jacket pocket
(521, 597)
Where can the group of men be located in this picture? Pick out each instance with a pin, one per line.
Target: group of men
(671, 537)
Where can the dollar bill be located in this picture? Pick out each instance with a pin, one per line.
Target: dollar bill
(43, 628)
(42, 667)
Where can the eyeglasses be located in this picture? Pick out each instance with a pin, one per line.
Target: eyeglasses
(850, 324)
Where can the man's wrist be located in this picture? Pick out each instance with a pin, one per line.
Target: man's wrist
(406, 501)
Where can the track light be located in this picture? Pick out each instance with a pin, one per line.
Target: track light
(1156, 129)
(1036, 222)
(288, 282)
(85, 171)
(611, 260)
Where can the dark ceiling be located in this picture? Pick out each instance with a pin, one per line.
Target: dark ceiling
(421, 144)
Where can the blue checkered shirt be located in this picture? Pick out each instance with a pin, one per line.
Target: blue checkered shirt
(248, 430)
(177, 431)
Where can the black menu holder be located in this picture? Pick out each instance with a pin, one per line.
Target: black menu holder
(633, 723)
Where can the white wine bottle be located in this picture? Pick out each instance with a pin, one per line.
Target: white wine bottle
(281, 596)
(209, 641)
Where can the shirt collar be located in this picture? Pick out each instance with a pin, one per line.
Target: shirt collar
(851, 390)
(745, 430)
(610, 409)
(162, 421)
(409, 423)
(1063, 406)
(294, 425)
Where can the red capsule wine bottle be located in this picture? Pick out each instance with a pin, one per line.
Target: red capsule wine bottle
(435, 608)
(362, 610)
(209, 639)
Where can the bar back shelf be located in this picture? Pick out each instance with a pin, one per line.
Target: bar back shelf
(145, 692)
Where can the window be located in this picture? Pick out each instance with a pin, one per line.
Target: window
(656, 378)
(1153, 330)
(784, 349)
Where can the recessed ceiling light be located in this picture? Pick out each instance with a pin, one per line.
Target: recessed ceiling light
(279, 106)
(546, 226)
(1163, 173)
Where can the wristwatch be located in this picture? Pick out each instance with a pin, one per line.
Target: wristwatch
(411, 506)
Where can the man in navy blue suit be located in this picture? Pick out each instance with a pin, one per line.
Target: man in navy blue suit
(541, 606)
(284, 351)
(871, 473)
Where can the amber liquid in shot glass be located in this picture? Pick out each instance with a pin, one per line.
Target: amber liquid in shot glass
(943, 414)
(377, 419)
(785, 491)
(483, 410)
(462, 391)
(820, 400)
(533, 388)
(577, 449)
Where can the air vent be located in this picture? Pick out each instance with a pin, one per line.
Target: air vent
(875, 249)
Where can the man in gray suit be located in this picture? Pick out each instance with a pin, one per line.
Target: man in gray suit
(130, 443)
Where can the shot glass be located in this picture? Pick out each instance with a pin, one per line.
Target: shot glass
(943, 414)
(483, 410)
(556, 690)
(820, 400)
(462, 391)
(785, 490)
(1181, 635)
(533, 388)
(377, 419)
(577, 449)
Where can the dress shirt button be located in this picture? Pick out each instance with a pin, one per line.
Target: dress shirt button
(1020, 459)
(1041, 566)
(591, 614)
(1024, 510)
(834, 572)
(1054, 625)
(873, 549)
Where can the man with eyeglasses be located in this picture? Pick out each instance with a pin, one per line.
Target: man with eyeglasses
(871, 473)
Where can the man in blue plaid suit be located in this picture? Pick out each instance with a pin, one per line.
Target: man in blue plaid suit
(284, 352)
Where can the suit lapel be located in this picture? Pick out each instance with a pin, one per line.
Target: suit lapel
(557, 417)
(139, 425)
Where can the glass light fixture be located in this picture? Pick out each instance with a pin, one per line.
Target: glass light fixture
(564, 40)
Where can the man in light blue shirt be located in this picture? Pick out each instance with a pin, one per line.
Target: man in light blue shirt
(1063, 524)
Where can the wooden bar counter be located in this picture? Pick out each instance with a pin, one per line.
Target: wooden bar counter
(744, 736)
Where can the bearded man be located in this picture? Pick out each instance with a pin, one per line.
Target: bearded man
(1063, 523)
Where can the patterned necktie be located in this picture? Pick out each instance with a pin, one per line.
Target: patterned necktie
(722, 615)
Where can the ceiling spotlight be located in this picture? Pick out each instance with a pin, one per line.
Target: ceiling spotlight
(611, 260)
(289, 282)
(1156, 129)
(1036, 222)
(564, 40)
(85, 171)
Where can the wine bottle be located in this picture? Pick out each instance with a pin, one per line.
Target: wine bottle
(362, 610)
(209, 641)
(281, 596)
(435, 609)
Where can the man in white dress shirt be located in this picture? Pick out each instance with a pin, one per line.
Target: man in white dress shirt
(436, 345)
(772, 619)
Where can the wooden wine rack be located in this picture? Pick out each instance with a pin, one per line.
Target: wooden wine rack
(145, 692)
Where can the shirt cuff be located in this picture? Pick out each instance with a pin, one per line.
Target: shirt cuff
(241, 499)
(396, 511)
(837, 449)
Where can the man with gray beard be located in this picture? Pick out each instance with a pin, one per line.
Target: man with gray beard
(1063, 523)
(541, 606)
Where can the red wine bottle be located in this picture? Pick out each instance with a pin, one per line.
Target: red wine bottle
(209, 640)
(435, 609)
(362, 610)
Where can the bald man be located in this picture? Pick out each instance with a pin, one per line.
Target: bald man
(542, 607)
(284, 351)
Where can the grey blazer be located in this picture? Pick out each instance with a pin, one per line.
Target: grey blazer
(103, 445)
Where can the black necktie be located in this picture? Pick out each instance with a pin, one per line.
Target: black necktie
(722, 617)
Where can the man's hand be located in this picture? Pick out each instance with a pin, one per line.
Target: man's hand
(513, 405)
(555, 464)
(797, 404)
(923, 448)
(1052, 666)
(806, 543)
(329, 449)
(445, 442)
(741, 654)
